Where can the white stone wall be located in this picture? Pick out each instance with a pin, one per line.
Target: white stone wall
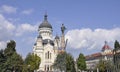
(41, 51)
(46, 33)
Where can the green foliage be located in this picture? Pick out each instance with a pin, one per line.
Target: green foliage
(32, 62)
(101, 66)
(105, 66)
(116, 44)
(14, 63)
(2, 60)
(10, 48)
(70, 66)
(64, 62)
(116, 56)
(60, 62)
(10, 60)
(81, 64)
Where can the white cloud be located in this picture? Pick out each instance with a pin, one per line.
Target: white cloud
(6, 28)
(25, 28)
(8, 9)
(2, 44)
(9, 31)
(5, 23)
(29, 40)
(6, 31)
(29, 11)
(91, 39)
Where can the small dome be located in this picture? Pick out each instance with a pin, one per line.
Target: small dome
(106, 46)
(35, 44)
(39, 36)
(45, 23)
(57, 37)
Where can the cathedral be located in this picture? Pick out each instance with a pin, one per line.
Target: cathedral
(47, 47)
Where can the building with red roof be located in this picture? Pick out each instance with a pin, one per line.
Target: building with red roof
(105, 54)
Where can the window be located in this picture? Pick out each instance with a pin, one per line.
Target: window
(48, 55)
(51, 68)
(45, 68)
(48, 68)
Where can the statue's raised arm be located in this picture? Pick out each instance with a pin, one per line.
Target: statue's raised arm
(63, 28)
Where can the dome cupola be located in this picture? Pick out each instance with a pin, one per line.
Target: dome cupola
(57, 37)
(45, 23)
(106, 46)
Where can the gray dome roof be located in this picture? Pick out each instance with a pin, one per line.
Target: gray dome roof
(45, 23)
(57, 37)
(39, 36)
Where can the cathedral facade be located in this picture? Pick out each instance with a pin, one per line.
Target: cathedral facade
(47, 47)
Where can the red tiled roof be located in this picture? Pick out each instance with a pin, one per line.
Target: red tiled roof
(106, 47)
(95, 55)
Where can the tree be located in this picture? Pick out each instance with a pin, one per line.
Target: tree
(105, 66)
(101, 66)
(116, 56)
(81, 64)
(116, 45)
(70, 66)
(32, 61)
(2, 60)
(10, 48)
(12, 60)
(60, 62)
(14, 63)
(64, 62)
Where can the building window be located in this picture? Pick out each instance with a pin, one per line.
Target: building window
(48, 68)
(51, 68)
(45, 67)
(48, 55)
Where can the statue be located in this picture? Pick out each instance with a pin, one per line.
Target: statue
(63, 28)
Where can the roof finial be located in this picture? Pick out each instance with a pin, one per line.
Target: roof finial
(45, 16)
(105, 42)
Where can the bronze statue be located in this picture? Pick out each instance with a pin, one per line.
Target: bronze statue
(63, 28)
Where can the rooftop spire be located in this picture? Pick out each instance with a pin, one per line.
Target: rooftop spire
(45, 16)
(105, 42)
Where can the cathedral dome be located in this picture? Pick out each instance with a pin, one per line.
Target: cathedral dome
(45, 23)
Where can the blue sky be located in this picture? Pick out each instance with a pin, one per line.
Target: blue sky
(89, 23)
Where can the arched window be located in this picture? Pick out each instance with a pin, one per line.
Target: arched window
(48, 55)
(51, 68)
(48, 68)
(45, 68)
